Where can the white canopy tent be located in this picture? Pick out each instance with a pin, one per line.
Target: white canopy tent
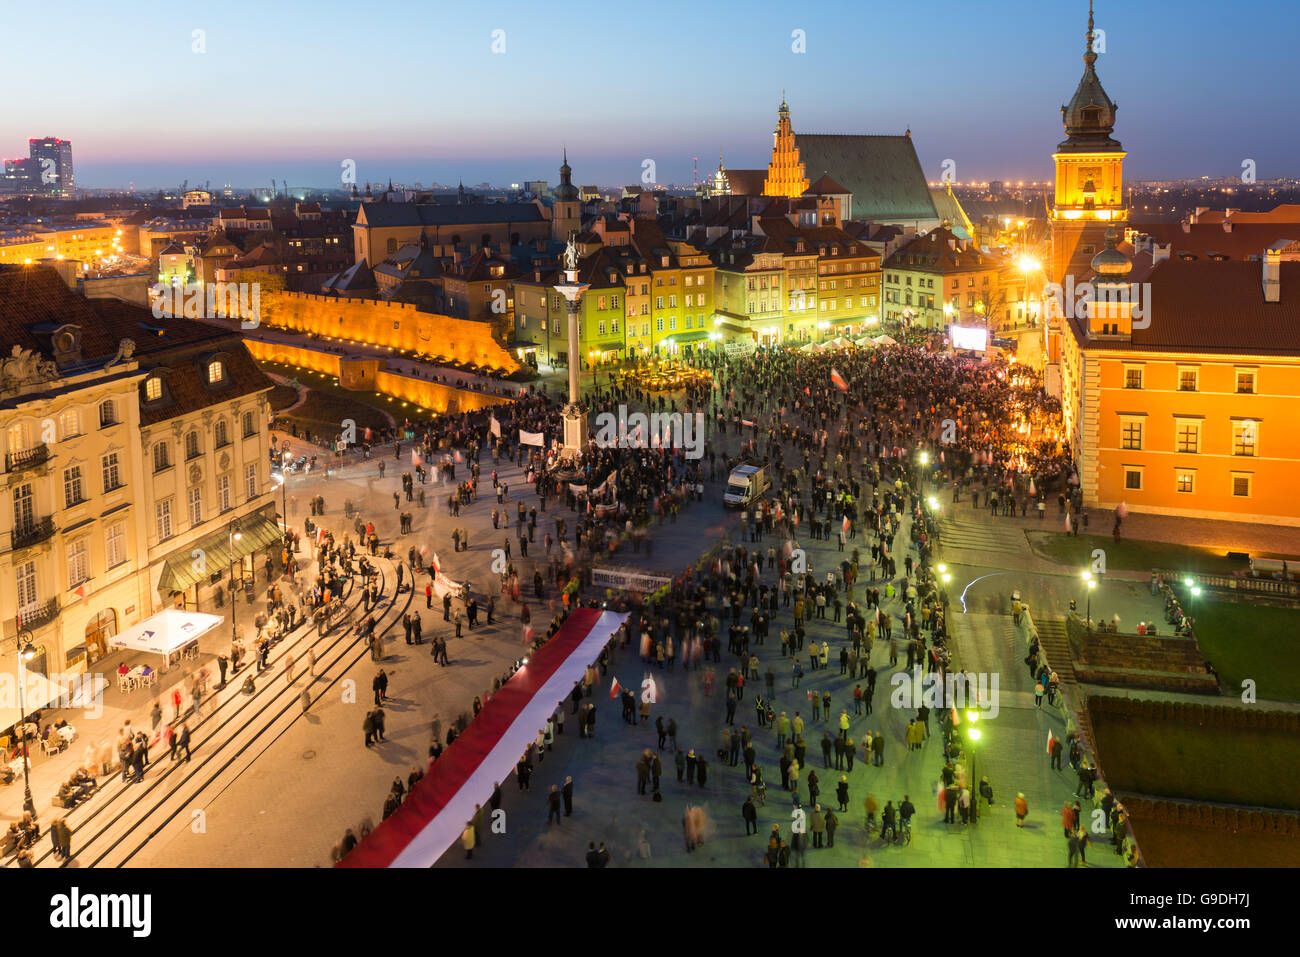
(865, 342)
(839, 342)
(166, 632)
(810, 347)
(885, 341)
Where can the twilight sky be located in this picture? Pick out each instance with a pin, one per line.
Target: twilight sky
(413, 90)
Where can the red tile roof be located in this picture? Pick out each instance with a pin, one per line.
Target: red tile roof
(1216, 307)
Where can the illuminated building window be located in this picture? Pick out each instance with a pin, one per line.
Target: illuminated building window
(1185, 480)
(153, 389)
(1131, 434)
(1189, 436)
(1133, 377)
(1246, 381)
(1187, 378)
(1245, 437)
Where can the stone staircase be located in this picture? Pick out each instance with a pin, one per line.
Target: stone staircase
(1054, 643)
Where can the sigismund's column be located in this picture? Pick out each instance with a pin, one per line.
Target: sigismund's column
(575, 417)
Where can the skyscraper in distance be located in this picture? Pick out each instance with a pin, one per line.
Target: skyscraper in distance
(52, 166)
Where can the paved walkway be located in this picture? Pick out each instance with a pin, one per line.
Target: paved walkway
(607, 807)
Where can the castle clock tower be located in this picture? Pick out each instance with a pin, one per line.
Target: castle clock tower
(1089, 175)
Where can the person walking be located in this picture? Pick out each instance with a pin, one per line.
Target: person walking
(553, 805)
(750, 814)
(566, 792)
(1022, 810)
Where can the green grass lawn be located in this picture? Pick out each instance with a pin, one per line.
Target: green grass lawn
(1226, 765)
(1259, 642)
(328, 386)
(1130, 555)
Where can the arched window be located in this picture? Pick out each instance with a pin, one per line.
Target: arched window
(107, 413)
(70, 423)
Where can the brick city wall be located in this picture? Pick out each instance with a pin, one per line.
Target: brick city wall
(430, 395)
(391, 325)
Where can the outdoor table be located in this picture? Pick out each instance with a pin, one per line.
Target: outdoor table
(68, 733)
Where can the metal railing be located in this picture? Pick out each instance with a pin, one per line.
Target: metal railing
(27, 459)
(32, 533)
(36, 617)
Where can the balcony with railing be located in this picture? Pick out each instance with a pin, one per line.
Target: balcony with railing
(27, 458)
(32, 533)
(35, 617)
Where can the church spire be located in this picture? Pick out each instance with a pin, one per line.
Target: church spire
(1090, 57)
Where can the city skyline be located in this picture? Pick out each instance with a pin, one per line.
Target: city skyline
(1001, 124)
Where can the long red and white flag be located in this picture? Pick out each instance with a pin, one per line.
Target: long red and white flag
(614, 689)
(432, 818)
(839, 381)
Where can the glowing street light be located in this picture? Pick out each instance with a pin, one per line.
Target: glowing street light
(1092, 584)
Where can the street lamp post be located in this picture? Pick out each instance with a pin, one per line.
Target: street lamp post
(1091, 583)
(973, 734)
(234, 535)
(26, 652)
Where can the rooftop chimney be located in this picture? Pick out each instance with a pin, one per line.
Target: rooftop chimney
(1160, 252)
(1272, 278)
(1227, 225)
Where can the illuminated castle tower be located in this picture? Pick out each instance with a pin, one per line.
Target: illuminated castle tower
(785, 174)
(1089, 174)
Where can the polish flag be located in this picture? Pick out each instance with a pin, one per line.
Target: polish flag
(437, 569)
(846, 525)
(807, 391)
(320, 534)
(1051, 740)
(614, 689)
(747, 422)
(416, 461)
(81, 593)
(839, 381)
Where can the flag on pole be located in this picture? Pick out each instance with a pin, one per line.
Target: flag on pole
(747, 422)
(839, 381)
(846, 525)
(1051, 740)
(416, 461)
(614, 689)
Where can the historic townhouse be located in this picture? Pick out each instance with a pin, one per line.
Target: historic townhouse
(110, 421)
